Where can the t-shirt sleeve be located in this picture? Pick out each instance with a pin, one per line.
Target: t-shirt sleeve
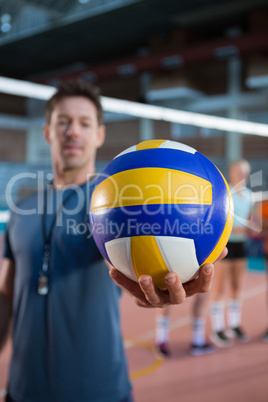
(7, 250)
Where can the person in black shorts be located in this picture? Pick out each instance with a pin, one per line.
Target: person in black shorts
(231, 270)
(236, 250)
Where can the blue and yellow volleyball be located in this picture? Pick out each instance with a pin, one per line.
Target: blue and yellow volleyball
(161, 206)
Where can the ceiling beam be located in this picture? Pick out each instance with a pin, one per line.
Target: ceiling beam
(219, 49)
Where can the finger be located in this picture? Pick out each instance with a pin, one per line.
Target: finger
(127, 284)
(223, 254)
(206, 277)
(143, 303)
(203, 283)
(177, 293)
(151, 293)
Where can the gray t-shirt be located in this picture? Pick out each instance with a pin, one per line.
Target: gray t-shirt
(67, 346)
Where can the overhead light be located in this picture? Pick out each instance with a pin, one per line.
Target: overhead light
(226, 52)
(260, 81)
(127, 70)
(5, 27)
(140, 110)
(5, 22)
(174, 61)
(83, 1)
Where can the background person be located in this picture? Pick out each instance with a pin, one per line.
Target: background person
(231, 270)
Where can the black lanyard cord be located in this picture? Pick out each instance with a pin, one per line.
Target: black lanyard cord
(47, 237)
(43, 279)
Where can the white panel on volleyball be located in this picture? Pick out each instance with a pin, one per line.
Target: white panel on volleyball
(119, 253)
(177, 145)
(179, 255)
(126, 151)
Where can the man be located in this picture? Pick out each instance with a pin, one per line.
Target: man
(67, 344)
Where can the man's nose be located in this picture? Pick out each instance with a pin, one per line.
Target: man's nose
(72, 130)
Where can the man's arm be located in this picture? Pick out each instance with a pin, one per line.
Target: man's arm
(7, 273)
(147, 295)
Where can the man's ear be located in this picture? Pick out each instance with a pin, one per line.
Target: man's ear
(46, 133)
(101, 135)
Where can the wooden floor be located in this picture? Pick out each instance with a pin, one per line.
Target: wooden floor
(239, 373)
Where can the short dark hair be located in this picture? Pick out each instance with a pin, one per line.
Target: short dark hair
(75, 88)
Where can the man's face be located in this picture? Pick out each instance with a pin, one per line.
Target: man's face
(74, 133)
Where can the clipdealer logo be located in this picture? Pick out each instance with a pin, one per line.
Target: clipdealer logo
(39, 180)
(132, 227)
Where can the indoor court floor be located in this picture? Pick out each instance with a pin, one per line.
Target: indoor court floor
(238, 373)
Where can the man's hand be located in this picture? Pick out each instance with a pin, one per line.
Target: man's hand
(147, 294)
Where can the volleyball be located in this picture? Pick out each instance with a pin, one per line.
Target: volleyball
(161, 206)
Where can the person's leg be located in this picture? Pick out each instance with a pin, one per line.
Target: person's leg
(221, 277)
(234, 303)
(199, 344)
(162, 330)
(237, 276)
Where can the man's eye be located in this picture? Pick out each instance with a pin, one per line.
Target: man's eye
(85, 124)
(63, 123)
